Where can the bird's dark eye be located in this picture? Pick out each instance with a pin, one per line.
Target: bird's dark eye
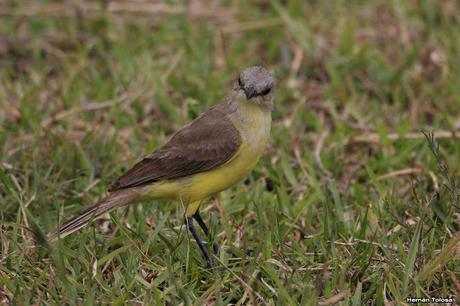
(266, 91)
(240, 82)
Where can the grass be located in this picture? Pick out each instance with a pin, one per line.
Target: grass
(352, 204)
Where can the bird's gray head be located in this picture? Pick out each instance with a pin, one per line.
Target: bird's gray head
(257, 82)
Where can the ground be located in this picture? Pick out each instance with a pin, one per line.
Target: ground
(352, 203)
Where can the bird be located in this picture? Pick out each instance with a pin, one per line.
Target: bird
(213, 152)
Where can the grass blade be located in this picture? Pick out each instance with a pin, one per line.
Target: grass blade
(410, 260)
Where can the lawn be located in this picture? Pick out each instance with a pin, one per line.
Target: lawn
(355, 201)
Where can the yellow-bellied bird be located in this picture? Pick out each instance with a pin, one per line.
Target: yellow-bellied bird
(210, 154)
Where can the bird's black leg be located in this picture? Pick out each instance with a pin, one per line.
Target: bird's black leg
(197, 216)
(204, 251)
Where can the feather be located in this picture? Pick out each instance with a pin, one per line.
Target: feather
(107, 204)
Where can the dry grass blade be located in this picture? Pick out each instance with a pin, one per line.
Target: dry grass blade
(375, 138)
(251, 25)
(113, 7)
(318, 148)
(334, 299)
(407, 171)
(242, 282)
(125, 98)
(441, 259)
(280, 264)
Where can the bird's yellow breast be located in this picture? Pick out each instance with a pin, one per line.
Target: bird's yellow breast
(253, 123)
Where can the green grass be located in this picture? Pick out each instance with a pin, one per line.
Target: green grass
(351, 203)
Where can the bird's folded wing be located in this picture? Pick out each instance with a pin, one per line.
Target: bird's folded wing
(205, 144)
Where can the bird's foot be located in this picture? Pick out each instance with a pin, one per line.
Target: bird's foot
(208, 265)
(216, 249)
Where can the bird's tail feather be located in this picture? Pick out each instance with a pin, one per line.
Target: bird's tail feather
(107, 204)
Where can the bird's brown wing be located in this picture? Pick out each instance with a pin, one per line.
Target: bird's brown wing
(206, 143)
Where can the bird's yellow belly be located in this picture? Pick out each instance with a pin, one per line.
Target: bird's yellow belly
(199, 186)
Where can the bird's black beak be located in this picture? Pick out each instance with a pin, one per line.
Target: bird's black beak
(250, 93)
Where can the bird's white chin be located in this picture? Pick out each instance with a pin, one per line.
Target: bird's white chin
(266, 103)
